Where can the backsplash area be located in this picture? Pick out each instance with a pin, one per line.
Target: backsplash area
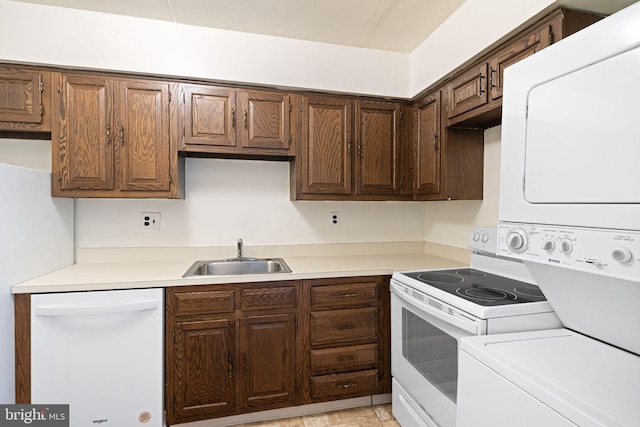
(227, 199)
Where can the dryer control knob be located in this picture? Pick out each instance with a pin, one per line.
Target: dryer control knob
(621, 255)
(566, 246)
(517, 240)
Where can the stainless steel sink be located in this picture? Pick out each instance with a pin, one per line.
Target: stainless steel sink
(235, 266)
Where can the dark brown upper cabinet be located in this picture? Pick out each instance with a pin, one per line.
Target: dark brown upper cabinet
(113, 138)
(349, 150)
(428, 146)
(377, 127)
(25, 99)
(235, 122)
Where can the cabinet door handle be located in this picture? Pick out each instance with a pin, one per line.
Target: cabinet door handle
(480, 85)
(346, 385)
(121, 134)
(108, 134)
(349, 146)
(230, 367)
(435, 142)
(245, 119)
(492, 82)
(233, 118)
(350, 295)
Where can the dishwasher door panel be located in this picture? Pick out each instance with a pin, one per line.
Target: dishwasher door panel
(100, 352)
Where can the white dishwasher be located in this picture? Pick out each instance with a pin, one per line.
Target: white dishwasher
(102, 353)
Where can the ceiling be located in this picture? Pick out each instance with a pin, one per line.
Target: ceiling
(395, 25)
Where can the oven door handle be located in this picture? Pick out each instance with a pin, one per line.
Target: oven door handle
(466, 324)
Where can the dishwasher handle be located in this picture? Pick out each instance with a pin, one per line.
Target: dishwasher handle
(88, 310)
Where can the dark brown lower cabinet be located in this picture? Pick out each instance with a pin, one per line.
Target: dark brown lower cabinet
(230, 349)
(239, 348)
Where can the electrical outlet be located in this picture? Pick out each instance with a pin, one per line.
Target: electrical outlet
(335, 218)
(150, 221)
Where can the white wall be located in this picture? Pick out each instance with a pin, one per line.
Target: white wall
(227, 199)
(449, 222)
(33, 154)
(77, 38)
(473, 27)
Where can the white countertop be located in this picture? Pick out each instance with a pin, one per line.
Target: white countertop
(88, 276)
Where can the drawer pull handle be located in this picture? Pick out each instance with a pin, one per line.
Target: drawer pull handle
(351, 295)
(343, 327)
(346, 358)
(346, 385)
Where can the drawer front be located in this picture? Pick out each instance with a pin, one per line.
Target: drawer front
(268, 298)
(204, 302)
(362, 383)
(348, 294)
(344, 326)
(343, 359)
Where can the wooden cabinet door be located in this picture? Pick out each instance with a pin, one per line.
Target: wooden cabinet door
(467, 91)
(265, 120)
(21, 95)
(141, 122)
(210, 116)
(267, 361)
(428, 146)
(201, 370)
(517, 51)
(82, 135)
(326, 146)
(377, 148)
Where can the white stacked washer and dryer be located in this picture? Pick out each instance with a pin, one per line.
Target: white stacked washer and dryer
(570, 210)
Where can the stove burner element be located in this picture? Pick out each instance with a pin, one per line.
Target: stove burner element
(479, 287)
(432, 277)
(483, 293)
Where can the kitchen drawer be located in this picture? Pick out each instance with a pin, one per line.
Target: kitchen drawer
(342, 359)
(344, 295)
(268, 298)
(344, 326)
(362, 383)
(204, 302)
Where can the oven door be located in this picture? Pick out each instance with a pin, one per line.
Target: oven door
(425, 336)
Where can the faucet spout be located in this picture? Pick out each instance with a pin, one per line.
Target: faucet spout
(240, 248)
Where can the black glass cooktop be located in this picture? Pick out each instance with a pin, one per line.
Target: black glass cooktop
(480, 287)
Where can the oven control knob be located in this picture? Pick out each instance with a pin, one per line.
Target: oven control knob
(548, 245)
(476, 236)
(621, 255)
(517, 240)
(566, 246)
(485, 237)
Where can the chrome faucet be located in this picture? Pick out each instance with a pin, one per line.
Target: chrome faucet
(240, 245)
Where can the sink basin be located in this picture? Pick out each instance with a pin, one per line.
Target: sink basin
(234, 266)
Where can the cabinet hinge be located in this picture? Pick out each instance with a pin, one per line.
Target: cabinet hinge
(41, 84)
(169, 96)
(41, 110)
(301, 107)
(400, 114)
(290, 108)
(58, 88)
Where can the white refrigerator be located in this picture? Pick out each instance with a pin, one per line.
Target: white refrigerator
(36, 237)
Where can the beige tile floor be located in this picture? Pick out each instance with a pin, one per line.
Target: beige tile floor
(366, 416)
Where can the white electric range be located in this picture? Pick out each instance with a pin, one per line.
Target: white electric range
(432, 310)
